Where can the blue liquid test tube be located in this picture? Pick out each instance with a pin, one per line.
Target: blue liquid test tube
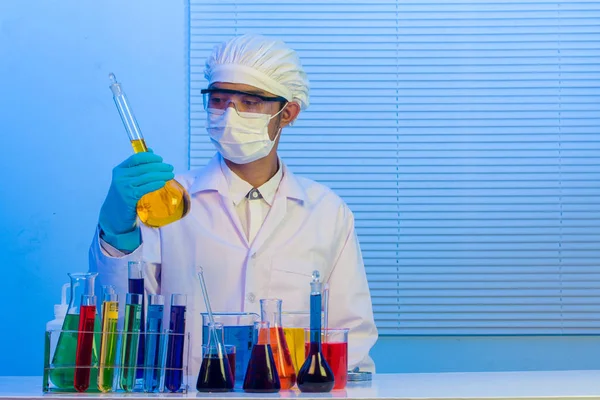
(175, 347)
(153, 356)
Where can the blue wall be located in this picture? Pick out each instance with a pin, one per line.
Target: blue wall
(61, 135)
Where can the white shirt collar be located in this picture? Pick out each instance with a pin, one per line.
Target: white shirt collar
(239, 188)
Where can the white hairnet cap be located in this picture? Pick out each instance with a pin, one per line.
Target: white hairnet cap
(262, 62)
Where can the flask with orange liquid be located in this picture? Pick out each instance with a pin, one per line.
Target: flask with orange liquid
(270, 311)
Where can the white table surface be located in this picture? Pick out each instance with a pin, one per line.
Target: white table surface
(472, 385)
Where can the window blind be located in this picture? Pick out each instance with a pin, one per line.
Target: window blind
(464, 136)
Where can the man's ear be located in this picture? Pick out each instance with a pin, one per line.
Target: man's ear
(289, 114)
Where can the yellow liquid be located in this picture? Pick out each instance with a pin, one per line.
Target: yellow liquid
(163, 206)
(108, 352)
(295, 341)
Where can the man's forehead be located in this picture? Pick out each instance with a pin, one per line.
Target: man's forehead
(242, 88)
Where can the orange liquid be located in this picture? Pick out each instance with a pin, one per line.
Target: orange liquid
(283, 359)
(163, 206)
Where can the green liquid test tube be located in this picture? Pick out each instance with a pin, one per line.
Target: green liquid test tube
(108, 353)
(131, 339)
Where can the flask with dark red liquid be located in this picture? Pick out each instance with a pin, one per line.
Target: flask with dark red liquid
(315, 374)
(261, 374)
(215, 373)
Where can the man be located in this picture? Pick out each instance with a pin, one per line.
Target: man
(256, 229)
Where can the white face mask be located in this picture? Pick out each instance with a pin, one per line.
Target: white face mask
(240, 137)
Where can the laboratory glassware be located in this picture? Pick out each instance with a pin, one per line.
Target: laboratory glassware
(108, 349)
(163, 206)
(130, 341)
(215, 372)
(238, 331)
(261, 374)
(135, 282)
(62, 373)
(334, 346)
(270, 311)
(175, 345)
(85, 343)
(315, 374)
(152, 358)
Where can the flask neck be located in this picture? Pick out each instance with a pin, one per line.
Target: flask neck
(82, 284)
(270, 311)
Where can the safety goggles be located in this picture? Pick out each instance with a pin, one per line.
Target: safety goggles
(219, 99)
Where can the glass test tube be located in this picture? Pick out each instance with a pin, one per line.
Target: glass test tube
(152, 358)
(135, 271)
(108, 349)
(85, 342)
(175, 348)
(131, 336)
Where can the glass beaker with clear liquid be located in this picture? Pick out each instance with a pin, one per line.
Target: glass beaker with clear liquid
(238, 330)
(270, 311)
(62, 372)
(163, 206)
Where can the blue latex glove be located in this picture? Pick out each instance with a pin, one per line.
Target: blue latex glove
(140, 174)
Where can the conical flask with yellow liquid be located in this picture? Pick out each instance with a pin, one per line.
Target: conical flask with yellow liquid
(163, 206)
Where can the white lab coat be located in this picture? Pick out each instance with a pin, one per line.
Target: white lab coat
(308, 227)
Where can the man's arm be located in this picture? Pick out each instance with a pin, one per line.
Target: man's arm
(111, 263)
(350, 299)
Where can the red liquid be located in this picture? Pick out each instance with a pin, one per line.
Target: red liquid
(85, 341)
(215, 375)
(336, 355)
(261, 374)
(231, 358)
(283, 358)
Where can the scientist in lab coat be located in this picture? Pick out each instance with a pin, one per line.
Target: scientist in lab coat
(257, 229)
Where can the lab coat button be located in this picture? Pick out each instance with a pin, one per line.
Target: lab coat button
(251, 297)
(253, 256)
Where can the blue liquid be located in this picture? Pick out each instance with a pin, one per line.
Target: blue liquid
(174, 364)
(137, 286)
(152, 361)
(242, 338)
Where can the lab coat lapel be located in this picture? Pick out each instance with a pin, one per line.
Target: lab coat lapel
(289, 190)
(274, 218)
(234, 218)
(212, 178)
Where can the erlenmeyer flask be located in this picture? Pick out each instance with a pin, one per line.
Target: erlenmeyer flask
(62, 374)
(215, 372)
(261, 374)
(163, 206)
(270, 311)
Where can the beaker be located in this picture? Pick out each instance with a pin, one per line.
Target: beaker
(294, 324)
(270, 311)
(62, 373)
(215, 373)
(334, 346)
(261, 375)
(238, 330)
(163, 206)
